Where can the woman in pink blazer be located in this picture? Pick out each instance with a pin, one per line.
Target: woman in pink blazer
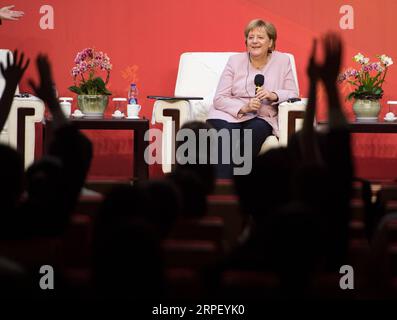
(239, 104)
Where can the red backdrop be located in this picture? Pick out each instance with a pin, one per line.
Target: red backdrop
(144, 40)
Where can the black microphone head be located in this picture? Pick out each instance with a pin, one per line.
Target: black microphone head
(259, 80)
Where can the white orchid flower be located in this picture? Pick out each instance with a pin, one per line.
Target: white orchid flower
(387, 61)
(358, 57)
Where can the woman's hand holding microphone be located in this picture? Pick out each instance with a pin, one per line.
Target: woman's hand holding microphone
(262, 94)
(255, 103)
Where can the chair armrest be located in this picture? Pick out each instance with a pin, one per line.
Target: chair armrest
(174, 98)
(172, 114)
(290, 119)
(171, 102)
(182, 108)
(24, 138)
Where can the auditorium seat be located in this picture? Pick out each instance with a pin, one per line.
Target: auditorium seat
(325, 285)
(357, 229)
(261, 285)
(184, 284)
(76, 242)
(207, 228)
(33, 252)
(357, 209)
(249, 285)
(88, 202)
(195, 254)
(228, 208)
(224, 187)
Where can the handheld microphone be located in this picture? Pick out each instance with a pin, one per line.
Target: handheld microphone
(259, 81)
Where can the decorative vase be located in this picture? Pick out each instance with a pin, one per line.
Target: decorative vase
(92, 105)
(366, 109)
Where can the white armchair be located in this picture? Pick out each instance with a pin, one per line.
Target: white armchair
(198, 76)
(19, 129)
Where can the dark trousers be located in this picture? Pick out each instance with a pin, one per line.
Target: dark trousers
(260, 129)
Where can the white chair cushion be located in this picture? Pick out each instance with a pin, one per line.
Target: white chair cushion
(198, 76)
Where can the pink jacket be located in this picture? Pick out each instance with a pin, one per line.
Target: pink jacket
(236, 87)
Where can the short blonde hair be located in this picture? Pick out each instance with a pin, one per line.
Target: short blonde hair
(268, 26)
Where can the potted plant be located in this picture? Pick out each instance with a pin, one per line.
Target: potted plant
(93, 96)
(367, 81)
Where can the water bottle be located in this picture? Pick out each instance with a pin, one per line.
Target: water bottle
(133, 94)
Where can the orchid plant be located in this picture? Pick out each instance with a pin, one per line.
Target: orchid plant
(368, 79)
(89, 62)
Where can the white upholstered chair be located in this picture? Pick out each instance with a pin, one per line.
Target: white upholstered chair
(198, 76)
(19, 129)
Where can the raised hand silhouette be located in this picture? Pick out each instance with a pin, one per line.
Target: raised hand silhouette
(45, 90)
(13, 71)
(333, 49)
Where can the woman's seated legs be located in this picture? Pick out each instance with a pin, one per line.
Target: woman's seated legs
(224, 167)
(260, 131)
